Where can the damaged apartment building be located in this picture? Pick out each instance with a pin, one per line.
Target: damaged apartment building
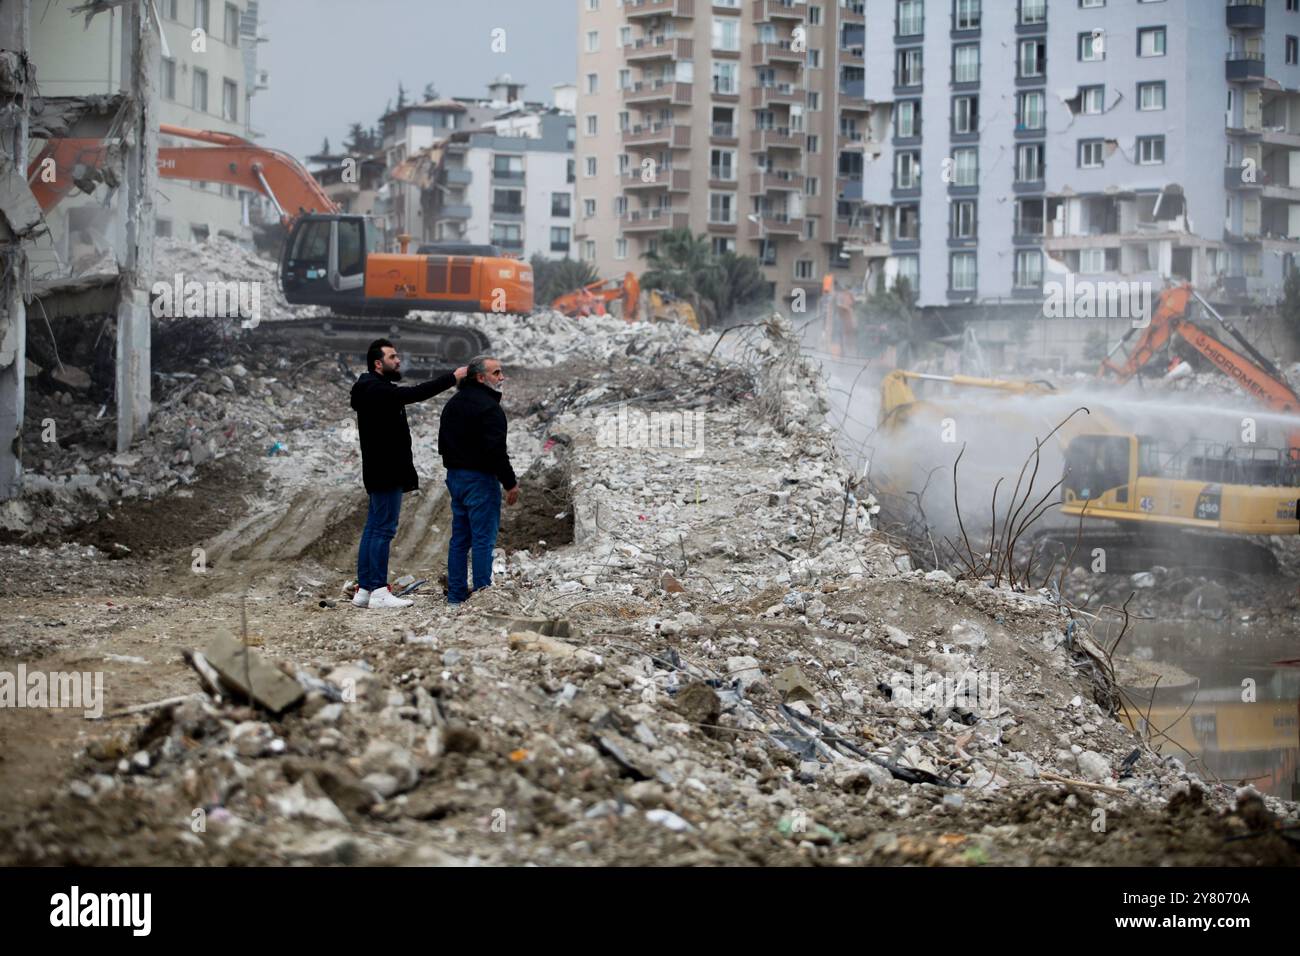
(494, 170)
(976, 149)
(82, 84)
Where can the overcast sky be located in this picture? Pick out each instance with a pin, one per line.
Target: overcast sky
(335, 62)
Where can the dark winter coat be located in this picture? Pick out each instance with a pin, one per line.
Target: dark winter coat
(472, 433)
(386, 463)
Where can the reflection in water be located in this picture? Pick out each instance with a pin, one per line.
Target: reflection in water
(1255, 741)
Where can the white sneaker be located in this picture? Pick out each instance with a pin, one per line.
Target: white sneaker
(361, 598)
(383, 598)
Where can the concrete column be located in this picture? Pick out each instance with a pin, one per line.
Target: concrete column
(14, 36)
(140, 65)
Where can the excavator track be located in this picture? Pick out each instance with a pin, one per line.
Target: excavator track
(1127, 552)
(423, 345)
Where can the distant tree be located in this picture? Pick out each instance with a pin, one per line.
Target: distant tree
(430, 93)
(683, 265)
(401, 95)
(739, 283)
(325, 147)
(553, 278)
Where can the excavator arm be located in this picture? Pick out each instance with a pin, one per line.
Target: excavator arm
(596, 296)
(228, 159)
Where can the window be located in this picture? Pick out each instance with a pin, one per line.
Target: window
(1151, 96)
(590, 167)
(509, 201)
(810, 230)
(507, 167)
(624, 36)
(967, 15)
(507, 235)
(963, 219)
(722, 207)
(1029, 269)
(1090, 154)
(815, 15)
(907, 118)
(907, 170)
(1030, 110)
(965, 114)
(1033, 57)
(1092, 3)
(909, 18)
(593, 82)
(232, 25)
(570, 172)
(589, 250)
(620, 248)
(722, 164)
(588, 209)
(1292, 47)
(724, 77)
(811, 185)
(624, 121)
(814, 144)
(803, 268)
(966, 63)
(1091, 47)
(965, 167)
(561, 205)
(726, 34)
(620, 207)
(199, 97)
(162, 228)
(593, 4)
(171, 9)
(560, 239)
(591, 124)
(814, 101)
(1033, 12)
(962, 272)
(624, 79)
(1151, 41)
(593, 41)
(907, 67)
(909, 271)
(1030, 219)
(814, 59)
(201, 15)
(1092, 99)
(1029, 163)
(167, 82)
(1151, 150)
(723, 244)
(1092, 261)
(229, 100)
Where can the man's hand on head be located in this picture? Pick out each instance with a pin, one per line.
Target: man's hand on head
(461, 372)
(512, 495)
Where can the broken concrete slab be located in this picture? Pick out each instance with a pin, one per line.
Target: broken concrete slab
(244, 669)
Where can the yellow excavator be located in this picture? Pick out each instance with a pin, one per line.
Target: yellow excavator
(1113, 474)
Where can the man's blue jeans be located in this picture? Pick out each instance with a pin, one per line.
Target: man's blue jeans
(381, 525)
(475, 519)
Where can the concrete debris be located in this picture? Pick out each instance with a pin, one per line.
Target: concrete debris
(244, 669)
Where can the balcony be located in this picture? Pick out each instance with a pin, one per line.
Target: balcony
(770, 54)
(635, 9)
(776, 180)
(645, 92)
(453, 211)
(776, 94)
(855, 89)
(654, 220)
(778, 137)
(773, 224)
(1245, 14)
(766, 10)
(1245, 66)
(848, 188)
(507, 175)
(659, 47)
(508, 213)
(457, 177)
(1234, 177)
(672, 179)
(658, 134)
(852, 56)
(724, 132)
(853, 11)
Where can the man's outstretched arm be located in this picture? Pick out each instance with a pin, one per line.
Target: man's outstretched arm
(410, 394)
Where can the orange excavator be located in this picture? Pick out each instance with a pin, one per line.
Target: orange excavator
(1253, 373)
(595, 299)
(330, 258)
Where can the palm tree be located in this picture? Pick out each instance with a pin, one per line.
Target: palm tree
(683, 264)
(552, 278)
(740, 282)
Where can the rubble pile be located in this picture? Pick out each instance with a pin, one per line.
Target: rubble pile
(726, 665)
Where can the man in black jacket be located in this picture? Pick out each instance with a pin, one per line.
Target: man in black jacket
(472, 440)
(386, 464)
